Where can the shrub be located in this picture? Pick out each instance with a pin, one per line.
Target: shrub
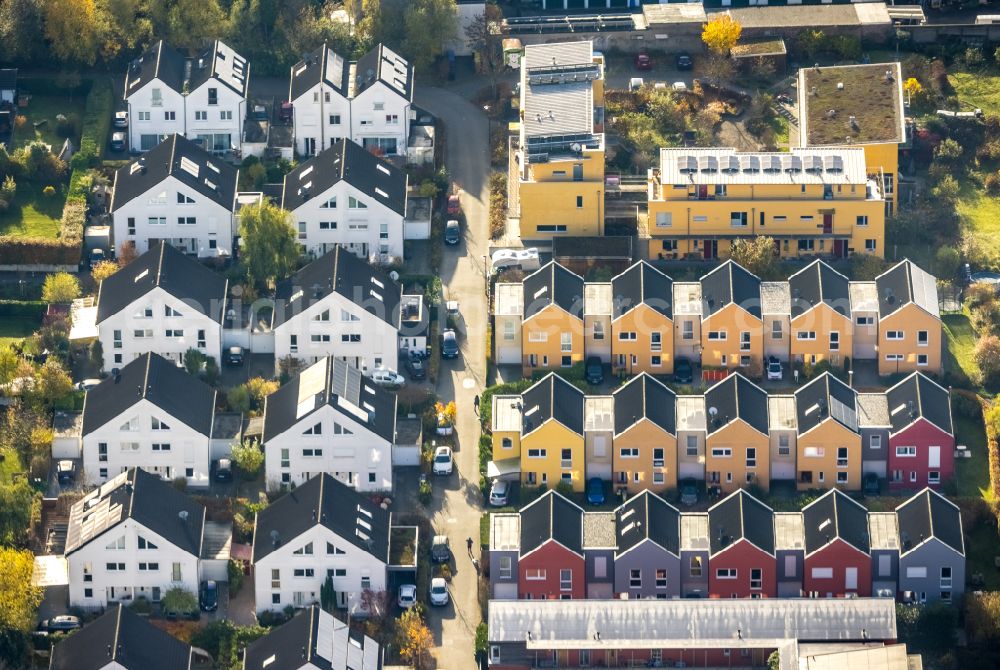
(249, 458)
(992, 184)
(96, 124)
(9, 188)
(987, 357)
(939, 79)
(234, 570)
(66, 126)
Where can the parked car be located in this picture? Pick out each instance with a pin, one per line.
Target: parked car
(870, 485)
(415, 366)
(451, 307)
(97, 255)
(443, 462)
(440, 549)
(387, 377)
(683, 371)
(454, 205)
(594, 370)
(234, 356)
(452, 232)
(209, 600)
(224, 470)
(87, 384)
(121, 119)
(449, 344)
(689, 492)
(117, 141)
(285, 112)
(595, 491)
(643, 61)
(679, 87)
(773, 368)
(407, 596)
(66, 472)
(63, 622)
(684, 61)
(439, 592)
(499, 493)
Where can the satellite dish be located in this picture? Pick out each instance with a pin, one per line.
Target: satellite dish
(712, 411)
(576, 147)
(394, 276)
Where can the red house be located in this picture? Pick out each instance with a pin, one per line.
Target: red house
(922, 436)
(741, 562)
(838, 559)
(551, 564)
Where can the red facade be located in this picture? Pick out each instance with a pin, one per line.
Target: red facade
(828, 569)
(914, 471)
(750, 565)
(540, 573)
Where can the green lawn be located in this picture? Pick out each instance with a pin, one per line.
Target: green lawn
(971, 474)
(16, 328)
(44, 109)
(10, 463)
(982, 545)
(33, 214)
(960, 342)
(977, 89)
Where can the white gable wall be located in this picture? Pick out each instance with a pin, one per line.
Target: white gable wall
(154, 111)
(221, 119)
(312, 113)
(380, 112)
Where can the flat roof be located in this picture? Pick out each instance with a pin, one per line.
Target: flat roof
(829, 97)
(67, 424)
(598, 413)
(883, 530)
(789, 530)
(807, 16)
(612, 247)
(599, 530)
(694, 532)
(687, 298)
(864, 296)
(597, 300)
(889, 657)
(557, 90)
(781, 412)
(508, 299)
(691, 413)
(505, 532)
(775, 297)
(721, 165)
(775, 47)
(506, 415)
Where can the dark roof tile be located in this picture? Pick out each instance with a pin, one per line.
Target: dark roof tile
(642, 284)
(736, 397)
(819, 283)
(644, 397)
(918, 397)
(554, 398)
(834, 515)
(929, 514)
(551, 517)
(737, 517)
(826, 397)
(323, 64)
(552, 284)
(647, 516)
(728, 284)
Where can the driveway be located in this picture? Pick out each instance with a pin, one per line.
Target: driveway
(457, 504)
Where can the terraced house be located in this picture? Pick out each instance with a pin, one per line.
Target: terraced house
(551, 436)
(552, 319)
(732, 331)
(838, 558)
(645, 437)
(829, 440)
(642, 327)
(737, 445)
(820, 326)
(921, 435)
(909, 320)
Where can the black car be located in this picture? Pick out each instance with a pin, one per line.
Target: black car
(224, 470)
(595, 371)
(683, 371)
(449, 344)
(209, 596)
(684, 61)
(452, 232)
(234, 356)
(415, 366)
(66, 472)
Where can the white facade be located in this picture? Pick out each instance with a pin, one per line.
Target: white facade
(320, 117)
(329, 441)
(177, 213)
(145, 436)
(159, 322)
(285, 577)
(155, 111)
(214, 113)
(345, 216)
(112, 567)
(380, 117)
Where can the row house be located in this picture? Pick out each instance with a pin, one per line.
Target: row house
(740, 548)
(646, 437)
(368, 101)
(313, 638)
(202, 98)
(643, 321)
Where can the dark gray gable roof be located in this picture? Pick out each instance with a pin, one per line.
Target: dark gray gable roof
(918, 397)
(644, 396)
(379, 180)
(737, 517)
(222, 64)
(826, 397)
(928, 514)
(551, 517)
(8, 78)
(325, 500)
(383, 64)
(648, 516)
(309, 640)
(153, 378)
(323, 64)
(161, 61)
(339, 271)
(906, 283)
(642, 284)
(176, 273)
(736, 397)
(344, 388)
(834, 515)
(182, 159)
(552, 284)
(119, 636)
(816, 283)
(147, 499)
(730, 283)
(552, 397)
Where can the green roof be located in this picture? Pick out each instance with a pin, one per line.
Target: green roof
(830, 97)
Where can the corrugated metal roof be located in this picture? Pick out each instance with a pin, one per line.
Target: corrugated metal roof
(558, 109)
(717, 165)
(558, 53)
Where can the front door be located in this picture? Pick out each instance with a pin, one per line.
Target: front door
(851, 579)
(702, 192)
(827, 224)
(840, 248)
(711, 249)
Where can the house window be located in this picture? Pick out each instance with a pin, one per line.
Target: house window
(157, 221)
(841, 457)
(201, 115)
(756, 578)
(933, 477)
(161, 447)
(745, 340)
(566, 341)
(536, 453)
(861, 221)
(635, 579)
(579, 202)
(535, 574)
(842, 478)
(115, 567)
(226, 115)
(822, 573)
(751, 457)
(505, 567)
(921, 360)
(783, 445)
(627, 336)
(906, 452)
(875, 442)
(495, 653)
(175, 572)
(584, 657)
(722, 452)
(805, 335)
(567, 458)
(834, 341)
(351, 337)
(664, 220)
(716, 335)
(687, 330)
(694, 567)
(658, 457)
(776, 330)
(946, 578)
(507, 443)
(144, 116)
(725, 573)
(661, 578)
(169, 116)
(303, 572)
(565, 580)
(893, 334)
(302, 230)
(655, 341)
(865, 320)
(213, 96)
(738, 219)
(354, 203)
(869, 245)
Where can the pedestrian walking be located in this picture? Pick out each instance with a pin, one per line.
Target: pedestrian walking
(475, 403)
(468, 545)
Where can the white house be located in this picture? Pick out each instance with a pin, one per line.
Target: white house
(203, 98)
(322, 528)
(381, 100)
(134, 537)
(313, 639)
(151, 414)
(162, 302)
(339, 306)
(321, 108)
(346, 427)
(179, 193)
(347, 196)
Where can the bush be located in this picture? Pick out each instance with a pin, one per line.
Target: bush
(234, 571)
(498, 205)
(96, 124)
(179, 601)
(992, 184)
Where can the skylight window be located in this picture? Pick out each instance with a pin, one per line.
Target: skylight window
(142, 275)
(381, 193)
(305, 173)
(189, 166)
(382, 168)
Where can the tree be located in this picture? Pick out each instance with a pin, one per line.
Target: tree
(259, 388)
(327, 595)
(53, 383)
(126, 254)
(71, 27)
(61, 287)
(414, 639)
(103, 269)
(20, 25)
(8, 365)
(186, 23)
(19, 599)
(987, 357)
(721, 34)
(16, 500)
(913, 87)
(179, 600)
(269, 243)
(249, 458)
(718, 68)
(810, 42)
(949, 151)
(982, 616)
(946, 190)
(484, 37)
(194, 361)
(378, 605)
(947, 260)
(429, 25)
(238, 399)
(756, 254)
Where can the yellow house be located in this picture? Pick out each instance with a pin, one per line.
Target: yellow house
(552, 441)
(737, 448)
(642, 328)
(909, 321)
(731, 328)
(557, 168)
(861, 106)
(821, 322)
(552, 327)
(645, 442)
(813, 202)
(828, 446)
(506, 425)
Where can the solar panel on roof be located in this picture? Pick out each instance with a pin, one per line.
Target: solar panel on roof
(730, 164)
(792, 163)
(751, 163)
(771, 164)
(834, 163)
(813, 164)
(708, 163)
(687, 164)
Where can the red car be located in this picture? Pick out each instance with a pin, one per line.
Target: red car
(454, 206)
(643, 62)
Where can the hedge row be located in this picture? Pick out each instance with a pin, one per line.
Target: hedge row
(37, 251)
(96, 124)
(52, 86)
(17, 308)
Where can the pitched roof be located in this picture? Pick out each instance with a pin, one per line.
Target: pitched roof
(736, 397)
(918, 397)
(647, 516)
(222, 64)
(644, 397)
(165, 267)
(336, 506)
(123, 640)
(929, 514)
(740, 516)
(379, 180)
(335, 383)
(314, 639)
(145, 498)
(155, 379)
(322, 65)
(161, 61)
(551, 517)
(552, 397)
(385, 65)
(642, 284)
(730, 283)
(185, 161)
(826, 397)
(834, 515)
(819, 283)
(552, 284)
(905, 283)
(342, 272)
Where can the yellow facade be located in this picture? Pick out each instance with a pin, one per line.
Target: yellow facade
(643, 467)
(734, 452)
(821, 334)
(553, 201)
(826, 455)
(551, 339)
(542, 453)
(636, 351)
(506, 445)
(723, 342)
(916, 342)
(883, 159)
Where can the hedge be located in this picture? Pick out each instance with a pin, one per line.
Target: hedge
(51, 86)
(96, 124)
(29, 308)
(37, 251)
